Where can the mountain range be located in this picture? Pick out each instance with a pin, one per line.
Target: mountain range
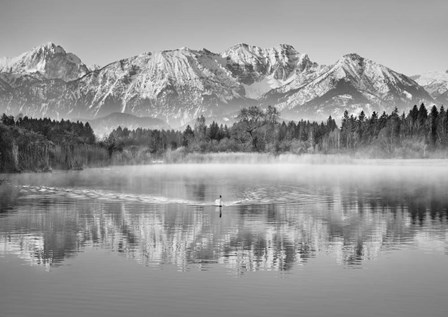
(177, 86)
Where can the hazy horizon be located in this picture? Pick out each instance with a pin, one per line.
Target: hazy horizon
(404, 35)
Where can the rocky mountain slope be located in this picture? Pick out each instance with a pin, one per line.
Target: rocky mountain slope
(177, 86)
(353, 83)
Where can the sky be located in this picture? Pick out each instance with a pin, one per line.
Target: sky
(408, 36)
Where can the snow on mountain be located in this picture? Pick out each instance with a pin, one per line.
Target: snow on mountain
(251, 62)
(172, 85)
(177, 86)
(180, 85)
(436, 83)
(353, 83)
(261, 70)
(49, 60)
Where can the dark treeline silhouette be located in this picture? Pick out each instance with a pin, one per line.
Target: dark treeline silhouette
(255, 131)
(395, 135)
(56, 131)
(418, 134)
(43, 144)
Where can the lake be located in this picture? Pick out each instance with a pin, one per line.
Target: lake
(362, 239)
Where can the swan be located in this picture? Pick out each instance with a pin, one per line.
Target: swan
(218, 202)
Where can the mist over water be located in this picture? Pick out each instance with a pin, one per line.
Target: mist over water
(314, 222)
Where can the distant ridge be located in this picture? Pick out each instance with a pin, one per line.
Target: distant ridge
(436, 83)
(104, 125)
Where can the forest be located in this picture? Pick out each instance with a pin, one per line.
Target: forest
(44, 144)
(28, 144)
(418, 134)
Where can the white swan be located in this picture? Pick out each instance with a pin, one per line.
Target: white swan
(218, 202)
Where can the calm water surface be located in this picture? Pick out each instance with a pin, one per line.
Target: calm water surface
(291, 240)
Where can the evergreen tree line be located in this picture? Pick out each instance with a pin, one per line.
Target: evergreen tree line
(43, 144)
(55, 131)
(407, 135)
(418, 134)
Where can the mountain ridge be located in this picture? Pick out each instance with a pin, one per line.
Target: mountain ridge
(176, 86)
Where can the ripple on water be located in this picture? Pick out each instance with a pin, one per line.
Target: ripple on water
(253, 196)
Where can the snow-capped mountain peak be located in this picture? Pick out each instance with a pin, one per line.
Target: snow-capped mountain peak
(245, 54)
(354, 57)
(50, 46)
(253, 65)
(361, 69)
(49, 60)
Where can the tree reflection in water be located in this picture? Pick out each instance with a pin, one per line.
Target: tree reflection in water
(352, 223)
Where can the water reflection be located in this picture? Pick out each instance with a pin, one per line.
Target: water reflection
(353, 224)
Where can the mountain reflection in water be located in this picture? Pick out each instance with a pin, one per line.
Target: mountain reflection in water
(272, 226)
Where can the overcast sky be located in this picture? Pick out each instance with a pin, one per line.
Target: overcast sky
(408, 36)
